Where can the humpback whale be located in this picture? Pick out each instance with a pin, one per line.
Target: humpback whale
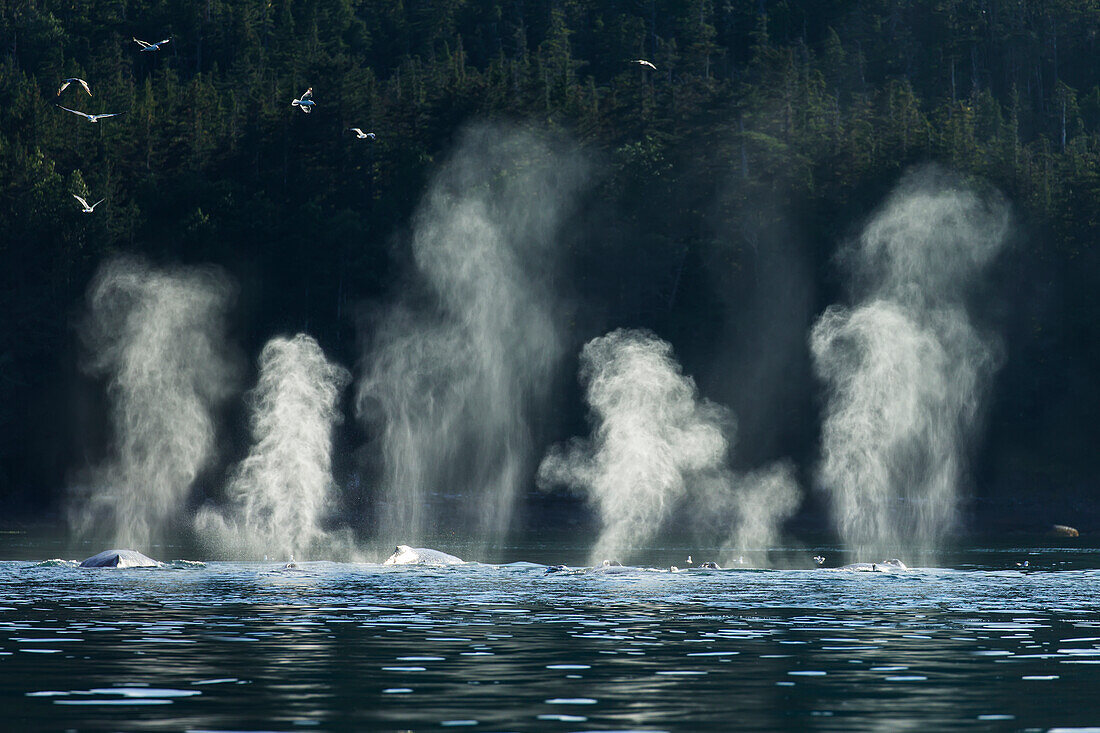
(607, 566)
(405, 555)
(119, 559)
(613, 567)
(885, 566)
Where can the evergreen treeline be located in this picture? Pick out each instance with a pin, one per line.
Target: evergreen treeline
(764, 120)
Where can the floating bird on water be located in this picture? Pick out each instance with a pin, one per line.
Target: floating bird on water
(643, 62)
(362, 135)
(65, 84)
(306, 102)
(151, 46)
(91, 118)
(88, 208)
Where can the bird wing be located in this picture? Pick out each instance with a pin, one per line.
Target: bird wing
(97, 203)
(371, 135)
(63, 87)
(86, 87)
(158, 43)
(356, 130)
(109, 114)
(141, 43)
(75, 112)
(305, 108)
(81, 200)
(308, 94)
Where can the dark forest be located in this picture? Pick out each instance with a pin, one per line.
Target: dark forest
(720, 187)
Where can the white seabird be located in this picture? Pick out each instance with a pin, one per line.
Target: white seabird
(305, 102)
(65, 84)
(91, 118)
(643, 62)
(362, 135)
(88, 208)
(151, 46)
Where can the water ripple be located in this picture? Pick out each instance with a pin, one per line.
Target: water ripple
(503, 648)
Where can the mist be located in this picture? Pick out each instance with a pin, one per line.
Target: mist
(157, 337)
(657, 444)
(761, 501)
(457, 372)
(904, 366)
(651, 433)
(279, 495)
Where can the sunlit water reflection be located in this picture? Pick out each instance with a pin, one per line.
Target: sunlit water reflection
(227, 646)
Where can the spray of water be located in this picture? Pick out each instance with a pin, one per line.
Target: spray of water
(656, 442)
(761, 501)
(279, 494)
(158, 338)
(451, 380)
(905, 367)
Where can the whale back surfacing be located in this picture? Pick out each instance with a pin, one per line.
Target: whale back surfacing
(885, 566)
(405, 555)
(119, 559)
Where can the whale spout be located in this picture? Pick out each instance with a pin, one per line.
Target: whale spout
(119, 559)
(405, 555)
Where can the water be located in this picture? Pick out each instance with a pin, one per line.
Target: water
(230, 646)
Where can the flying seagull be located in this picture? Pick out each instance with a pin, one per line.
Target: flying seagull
(306, 102)
(91, 118)
(362, 135)
(88, 208)
(65, 84)
(151, 46)
(643, 62)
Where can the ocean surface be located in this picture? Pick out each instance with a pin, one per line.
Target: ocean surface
(218, 646)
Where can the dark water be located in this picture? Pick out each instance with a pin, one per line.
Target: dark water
(364, 647)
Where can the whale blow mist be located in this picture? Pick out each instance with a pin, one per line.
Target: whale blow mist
(280, 492)
(454, 374)
(759, 502)
(657, 443)
(904, 366)
(652, 436)
(158, 338)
